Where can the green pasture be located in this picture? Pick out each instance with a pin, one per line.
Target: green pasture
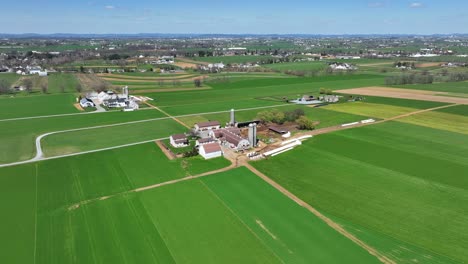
(17, 137)
(297, 66)
(370, 109)
(401, 181)
(449, 87)
(233, 59)
(42, 226)
(26, 106)
(440, 120)
(98, 138)
(293, 233)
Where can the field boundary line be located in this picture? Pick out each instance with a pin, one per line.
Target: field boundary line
(331, 223)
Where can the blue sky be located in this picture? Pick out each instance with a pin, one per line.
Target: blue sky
(239, 16)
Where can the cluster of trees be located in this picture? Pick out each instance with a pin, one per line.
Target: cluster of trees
(279, 117)
(4, 87)
(457, 77)
(404, 64)
(409, 79)
(326, 91)
(116, 56)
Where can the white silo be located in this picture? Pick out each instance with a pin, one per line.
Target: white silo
(232, 122)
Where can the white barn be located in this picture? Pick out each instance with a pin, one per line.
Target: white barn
(210, 151)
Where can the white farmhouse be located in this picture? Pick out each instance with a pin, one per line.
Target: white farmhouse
(179, 141)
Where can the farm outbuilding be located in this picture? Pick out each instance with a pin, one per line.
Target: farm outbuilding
(210, 151)
(85, 102)
(179, 140)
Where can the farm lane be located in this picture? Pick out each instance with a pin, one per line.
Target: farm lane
(39, 154)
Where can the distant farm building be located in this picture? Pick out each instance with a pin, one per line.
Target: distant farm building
(210, 151)
(85, 102)
(179, 140)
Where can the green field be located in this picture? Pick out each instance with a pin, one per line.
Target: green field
(440, 120)
(232, 59)
(98, 138)
(25, 106)
(370, 109)
(385, 179)
(17, 137)
(297, 66)
(78, 209)
(449, 87)
(43, 193)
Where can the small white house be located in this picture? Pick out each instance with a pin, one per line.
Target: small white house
(179, 140)
(85, 102)
(210, 151)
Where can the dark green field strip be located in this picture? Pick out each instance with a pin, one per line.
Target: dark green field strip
(457, 110)
(401, 252)
(198, 228)
(292, 232)
(417, 104)
(405, 192)
(450, 87)
(18, 207)
(25, 106)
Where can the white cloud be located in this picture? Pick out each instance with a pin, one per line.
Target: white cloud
(109, 7)
(416, 5)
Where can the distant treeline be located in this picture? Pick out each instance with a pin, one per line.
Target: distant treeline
(425, 78)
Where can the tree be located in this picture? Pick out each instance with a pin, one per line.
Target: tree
(265, 117)
(305, 123)
(62, 88)
(197, 83)
(44, 88)
(4, 87)
(28, 85)
(278, 117)
(78, 87)
(292, 116)
(82, 69)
